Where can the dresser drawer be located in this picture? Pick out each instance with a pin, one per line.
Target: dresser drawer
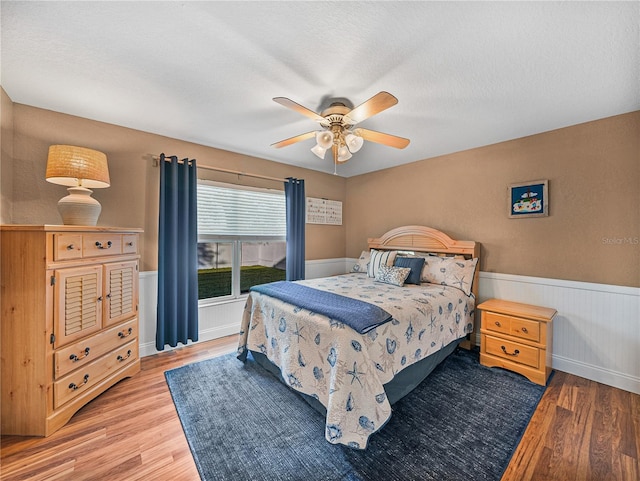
(98, 245)
(130, 244)
(512, 351)
(74, 384)
(82, 352)
(513, 326)
(67, 246)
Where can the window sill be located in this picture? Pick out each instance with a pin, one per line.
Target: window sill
(219, 302)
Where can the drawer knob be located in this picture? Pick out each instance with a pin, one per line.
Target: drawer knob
(524, 329)
(125, 333)
(514, 353)
(70, 247)
(121, 358)
(99, 245)
(76, 358)
(498, 324)
(130, 244)
(75, 386)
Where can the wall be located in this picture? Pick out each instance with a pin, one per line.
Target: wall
(6, 159)
(593, 170)
(592, 233)
(132, 199)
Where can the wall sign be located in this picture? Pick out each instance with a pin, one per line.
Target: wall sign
(324, 211)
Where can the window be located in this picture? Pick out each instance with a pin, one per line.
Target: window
(241, 238)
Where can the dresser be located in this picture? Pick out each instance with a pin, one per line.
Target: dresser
(518, 337)
(69, 326)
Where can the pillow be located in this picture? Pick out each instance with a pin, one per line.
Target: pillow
(449, 271)
(380, 258)
(363, 262)
(392, 275)
(415, 264)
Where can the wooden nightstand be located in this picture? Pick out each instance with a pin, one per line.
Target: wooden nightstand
(517, 337)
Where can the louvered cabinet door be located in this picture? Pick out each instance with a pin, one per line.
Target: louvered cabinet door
(78, 303)
(121, 291)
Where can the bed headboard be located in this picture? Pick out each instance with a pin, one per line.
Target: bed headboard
(426, 239)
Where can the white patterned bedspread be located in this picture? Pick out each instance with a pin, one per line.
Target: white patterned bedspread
(346, 370)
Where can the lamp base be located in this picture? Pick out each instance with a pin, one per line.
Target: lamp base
(79, 208)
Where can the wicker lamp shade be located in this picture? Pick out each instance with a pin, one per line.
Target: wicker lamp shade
(78, 168)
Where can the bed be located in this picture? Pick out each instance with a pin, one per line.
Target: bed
(353, 375)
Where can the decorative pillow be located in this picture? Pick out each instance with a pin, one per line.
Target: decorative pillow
(380, 258)
(449, 271)
(392, 275)
(363, 262)
(415, 264)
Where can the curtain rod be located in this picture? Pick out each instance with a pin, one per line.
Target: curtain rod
(156, 159)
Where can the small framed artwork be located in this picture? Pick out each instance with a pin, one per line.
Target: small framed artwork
(529, 199)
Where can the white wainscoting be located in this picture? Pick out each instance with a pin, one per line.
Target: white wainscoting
(596, 333)
(217, 319)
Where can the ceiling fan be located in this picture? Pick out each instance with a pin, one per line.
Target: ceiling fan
(337, 121)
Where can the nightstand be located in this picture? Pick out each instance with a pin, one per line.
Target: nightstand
(517, 337)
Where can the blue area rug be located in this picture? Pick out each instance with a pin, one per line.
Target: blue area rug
(462, 423)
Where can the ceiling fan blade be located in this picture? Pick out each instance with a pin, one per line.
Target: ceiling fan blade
(376, 104)
(290, 104)
(381, 138)
(293, 140)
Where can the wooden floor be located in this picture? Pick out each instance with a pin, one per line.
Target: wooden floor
(581, 430)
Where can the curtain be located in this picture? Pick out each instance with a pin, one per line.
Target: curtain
(177, 314)
(295, 200)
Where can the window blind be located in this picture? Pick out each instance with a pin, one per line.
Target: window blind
(228, 211)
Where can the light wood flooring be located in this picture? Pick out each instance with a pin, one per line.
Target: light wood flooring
(581, 430)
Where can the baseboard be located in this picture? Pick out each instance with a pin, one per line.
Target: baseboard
(597, 374)
(149, 348)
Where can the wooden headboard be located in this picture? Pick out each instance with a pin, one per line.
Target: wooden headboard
(426, 239)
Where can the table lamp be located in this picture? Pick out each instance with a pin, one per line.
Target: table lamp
(79, 169)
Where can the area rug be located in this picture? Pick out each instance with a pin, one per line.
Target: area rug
(462, 423)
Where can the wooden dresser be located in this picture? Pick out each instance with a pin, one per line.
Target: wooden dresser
(69, 326)
(518, 337)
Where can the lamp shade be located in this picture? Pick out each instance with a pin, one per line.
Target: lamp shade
(354, 142)
(319, 151)
(77, 166)
(324, 138)
(79, 169)
(343, 154)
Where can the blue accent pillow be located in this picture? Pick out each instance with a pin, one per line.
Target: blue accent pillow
(415, 263)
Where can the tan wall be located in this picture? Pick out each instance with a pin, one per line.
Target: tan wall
(132, 199)
(593, 229)
(6, 159)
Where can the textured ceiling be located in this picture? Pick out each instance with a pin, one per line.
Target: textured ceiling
(466, 74)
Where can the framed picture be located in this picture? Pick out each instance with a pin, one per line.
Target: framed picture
(529, 199)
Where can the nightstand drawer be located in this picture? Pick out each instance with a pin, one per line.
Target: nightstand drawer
(525, 329)
(512, 351)
(513, 326)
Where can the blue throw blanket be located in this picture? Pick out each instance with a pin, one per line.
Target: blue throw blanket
(359, 315)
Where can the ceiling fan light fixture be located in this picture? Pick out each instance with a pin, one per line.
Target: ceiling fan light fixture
(343, 154)
(319, 151)
(354, 142)
(324, 138)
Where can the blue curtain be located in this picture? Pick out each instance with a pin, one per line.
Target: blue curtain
(294, 194)
(177, 315)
